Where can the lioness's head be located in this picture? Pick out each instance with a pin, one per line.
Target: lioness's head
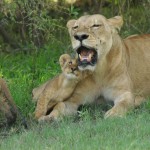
(91, 38)
(69, 66)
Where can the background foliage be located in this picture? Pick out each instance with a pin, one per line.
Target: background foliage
(26, 24)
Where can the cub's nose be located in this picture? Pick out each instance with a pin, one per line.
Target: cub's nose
(81, 37)
(73, 69)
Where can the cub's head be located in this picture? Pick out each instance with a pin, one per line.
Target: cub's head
(69, 66)
(91, 38)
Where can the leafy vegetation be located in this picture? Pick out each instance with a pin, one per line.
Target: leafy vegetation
(27, 24)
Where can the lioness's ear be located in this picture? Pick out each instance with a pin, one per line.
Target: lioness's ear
(63, 58)
(70, 23)
(116, 22)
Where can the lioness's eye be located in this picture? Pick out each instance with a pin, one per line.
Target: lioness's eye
(75, 27)
(96, 25)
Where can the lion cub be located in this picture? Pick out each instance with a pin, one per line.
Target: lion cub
(59, 88)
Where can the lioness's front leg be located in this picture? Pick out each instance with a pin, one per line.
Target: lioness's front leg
(61, 109)
(122, 103)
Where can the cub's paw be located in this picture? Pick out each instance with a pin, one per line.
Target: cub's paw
(45, 119)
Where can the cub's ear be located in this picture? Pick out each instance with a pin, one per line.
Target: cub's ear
(63, 58)
(116, 22)
(70, 23)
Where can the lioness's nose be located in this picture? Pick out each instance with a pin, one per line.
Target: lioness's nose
(81, 37)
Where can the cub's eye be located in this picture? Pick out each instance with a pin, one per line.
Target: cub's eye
(70, 63)
(75, 27)
(97, 25)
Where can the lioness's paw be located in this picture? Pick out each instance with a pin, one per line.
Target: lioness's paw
(114, 112)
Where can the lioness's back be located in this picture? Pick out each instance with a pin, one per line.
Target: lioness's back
(138, 58)
(138, 42)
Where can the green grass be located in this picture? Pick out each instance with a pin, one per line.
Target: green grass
(90, 131)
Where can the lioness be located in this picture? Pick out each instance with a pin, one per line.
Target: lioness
(59, 88)
(7, 106)
(121, 68)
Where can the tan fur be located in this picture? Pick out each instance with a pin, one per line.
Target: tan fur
(36, 92)
(122, 72)
(7, 106)
(59, 88)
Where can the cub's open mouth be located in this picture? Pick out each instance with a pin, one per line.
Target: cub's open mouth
(86, 56)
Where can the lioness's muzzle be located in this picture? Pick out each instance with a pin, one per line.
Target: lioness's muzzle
(86, 56)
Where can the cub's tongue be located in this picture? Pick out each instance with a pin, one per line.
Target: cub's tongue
(86, 55)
